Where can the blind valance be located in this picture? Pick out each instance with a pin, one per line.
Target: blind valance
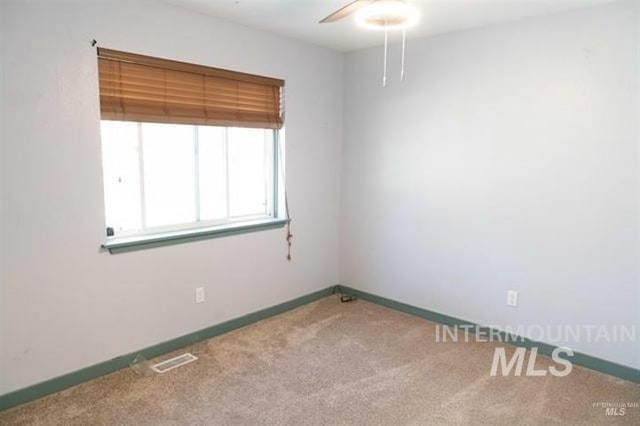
(147, 89)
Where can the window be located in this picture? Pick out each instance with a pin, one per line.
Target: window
(162, 177)
(188, 151)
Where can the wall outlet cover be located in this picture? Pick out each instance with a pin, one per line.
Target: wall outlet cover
(200, 295)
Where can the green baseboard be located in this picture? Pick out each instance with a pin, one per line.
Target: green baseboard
(583, 360)
(57, 384)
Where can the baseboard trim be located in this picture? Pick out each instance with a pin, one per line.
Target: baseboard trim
(57, 384)
(593, 363)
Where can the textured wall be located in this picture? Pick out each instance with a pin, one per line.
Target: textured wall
(66, 304)
(507, 159)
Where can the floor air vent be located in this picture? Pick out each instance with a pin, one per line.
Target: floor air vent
(170, 364)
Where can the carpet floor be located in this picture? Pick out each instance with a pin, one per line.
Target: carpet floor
(335, 363)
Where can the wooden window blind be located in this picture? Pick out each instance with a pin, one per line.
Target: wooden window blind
(147, 89)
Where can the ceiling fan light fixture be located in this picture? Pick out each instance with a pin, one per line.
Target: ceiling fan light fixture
(387, 14)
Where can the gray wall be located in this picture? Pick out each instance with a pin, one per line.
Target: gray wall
(507, 159)
(66, 305)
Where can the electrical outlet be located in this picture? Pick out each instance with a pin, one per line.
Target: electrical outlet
(199, 294)
(512, 298)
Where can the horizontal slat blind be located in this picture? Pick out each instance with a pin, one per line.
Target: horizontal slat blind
(147, 89)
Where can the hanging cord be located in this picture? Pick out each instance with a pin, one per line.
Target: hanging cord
(289, 235)
(404, 35)
(384, 68)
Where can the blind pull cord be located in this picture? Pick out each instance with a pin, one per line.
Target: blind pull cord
(289, 234)
(283, 176)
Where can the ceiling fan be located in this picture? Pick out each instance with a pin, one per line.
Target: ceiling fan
(345, 11)
(380, 15)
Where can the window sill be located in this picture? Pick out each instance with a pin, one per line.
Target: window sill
(140, 242)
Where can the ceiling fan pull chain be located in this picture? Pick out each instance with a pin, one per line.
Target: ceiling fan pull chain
(404, 35)
(384, 69)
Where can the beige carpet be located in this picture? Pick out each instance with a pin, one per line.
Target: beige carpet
(333, 363)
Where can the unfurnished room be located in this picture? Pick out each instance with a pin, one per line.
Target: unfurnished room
(319, 212)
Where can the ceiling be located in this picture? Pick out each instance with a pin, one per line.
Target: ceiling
(299, 18)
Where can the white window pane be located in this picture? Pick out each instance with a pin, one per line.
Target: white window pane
(248, 171)
(120, 165)
(213, 181)
(169, 174)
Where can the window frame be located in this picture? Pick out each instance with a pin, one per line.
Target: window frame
(117, 245)
(156, 236)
